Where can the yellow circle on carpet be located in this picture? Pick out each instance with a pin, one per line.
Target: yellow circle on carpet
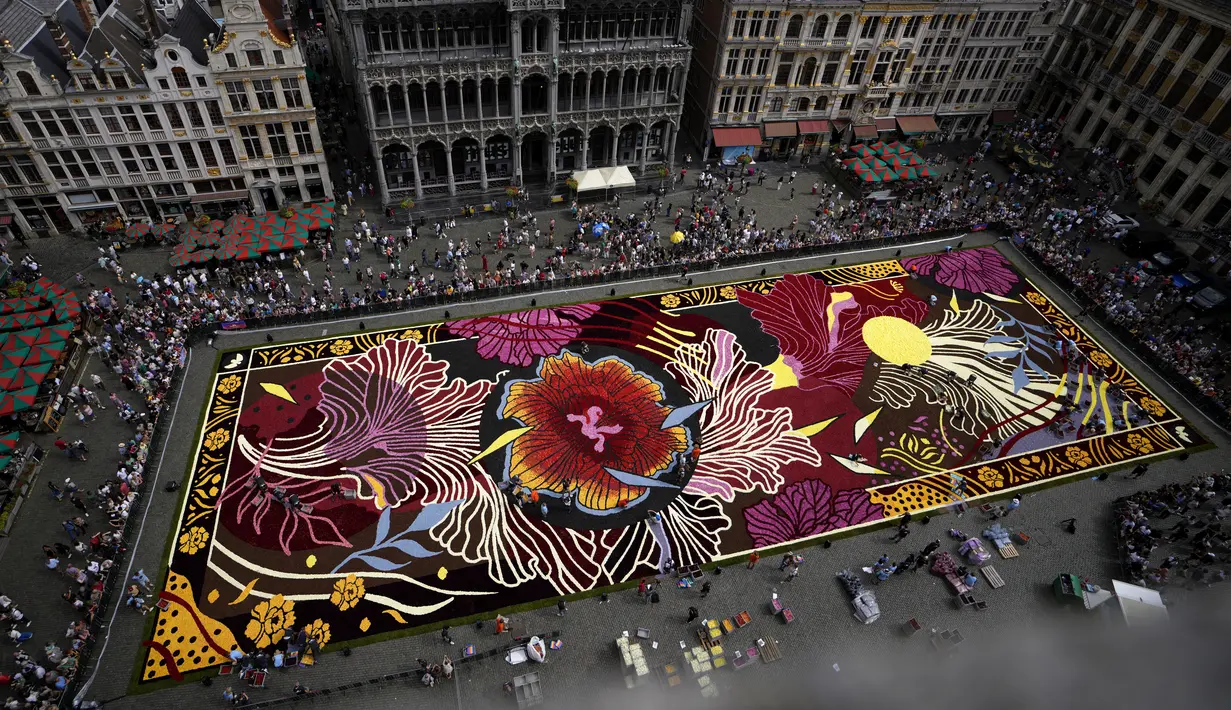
(897, 341)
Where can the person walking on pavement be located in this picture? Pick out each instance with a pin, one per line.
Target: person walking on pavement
(444, 635)
(692, 614)
(903, 531)
(791, 573)
(561, 607)
(752, 559)
(705, 590)
(787, 560)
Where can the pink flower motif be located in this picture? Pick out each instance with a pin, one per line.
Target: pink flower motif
(520, 338)
(265, 515)
(396, 420)
(819, 328)
(982, 270)
(805, 509)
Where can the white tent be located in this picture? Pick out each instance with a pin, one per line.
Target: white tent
(1139, 605)
(604, 179)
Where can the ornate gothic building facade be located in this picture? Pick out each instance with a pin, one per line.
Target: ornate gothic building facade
(466, 97)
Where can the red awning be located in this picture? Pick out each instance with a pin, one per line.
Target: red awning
(886, 124)
(914, 125)
(5, 219)
(868, 131)
(728, 137)
(1003, 116)
(781, 129)
(810, 127)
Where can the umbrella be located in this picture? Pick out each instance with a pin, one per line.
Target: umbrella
(870, 177)
(237, 251)
(925, 171)
(21, 321)
(912, 159)
(68, 308)
(8, 441)
(910, 174)
(239, 222)
(215, 225)
(19, 305)
(40, 354)
(877, 147)
(895, 162)
(41, 286)
(888, 175)
(13, 358)
(677, 237)
(23, 339)
(4, 461)
(11, 402)
(900, 148)
(862, 151)
(7, 376)
(195, 257)
(53, 334)
(136, 231)
(859, 167)
(162, 229)
(29, 377)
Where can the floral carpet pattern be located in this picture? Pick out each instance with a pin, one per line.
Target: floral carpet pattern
(376, 482)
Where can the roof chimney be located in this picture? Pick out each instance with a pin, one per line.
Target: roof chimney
(60, 37)
(88, 13)
(149, 21)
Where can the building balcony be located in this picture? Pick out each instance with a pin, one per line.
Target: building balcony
(817, 43)
(1211, 143)
(876, 90)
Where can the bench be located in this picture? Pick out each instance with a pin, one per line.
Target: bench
(993, 577)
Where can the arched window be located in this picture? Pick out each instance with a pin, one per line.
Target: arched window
(819, 26)
(427, 31)
(802, 103)
(181, 78)
(795, 27)
(371, 34)
(807, 72)
(843, 30)
(28, 84)
(822, 103)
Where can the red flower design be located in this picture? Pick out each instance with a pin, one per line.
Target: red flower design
(982, 270)
(584, 419)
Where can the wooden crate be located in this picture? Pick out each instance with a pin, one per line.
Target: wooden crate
(993, 577)
(770, 651)
(1008, 551)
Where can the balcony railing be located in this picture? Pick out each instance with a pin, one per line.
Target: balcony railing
(1219, 78)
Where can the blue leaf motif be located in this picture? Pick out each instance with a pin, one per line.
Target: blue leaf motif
(1020, 378)
(412, 548)
(1004, 353)
(382, 526)
(1002, 339)
(432, 514)
(380, 563)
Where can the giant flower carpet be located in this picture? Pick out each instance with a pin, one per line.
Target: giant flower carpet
(376, 482)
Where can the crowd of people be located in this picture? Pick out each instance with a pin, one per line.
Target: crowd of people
(1196, 548)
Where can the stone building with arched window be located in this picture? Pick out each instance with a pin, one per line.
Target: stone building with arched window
(469, 97)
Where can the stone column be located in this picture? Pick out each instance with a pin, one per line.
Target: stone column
(482, 159)
(585, 149)
(517, 160)
(414, 161)
(382, 181)
(681, 30)
(371, 109)
(515, 35)
(615, 137)
(444, 107)
(449, 168)
(516, 98)
(479, 94)
(671, 147)
(554, 99)
(551, 160)
(406, 100)
(644, 134)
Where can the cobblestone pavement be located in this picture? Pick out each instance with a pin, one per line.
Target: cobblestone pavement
(824, 633)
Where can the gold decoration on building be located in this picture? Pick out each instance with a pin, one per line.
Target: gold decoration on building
(1203, 29)
(886, 20)
(1173, 56)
